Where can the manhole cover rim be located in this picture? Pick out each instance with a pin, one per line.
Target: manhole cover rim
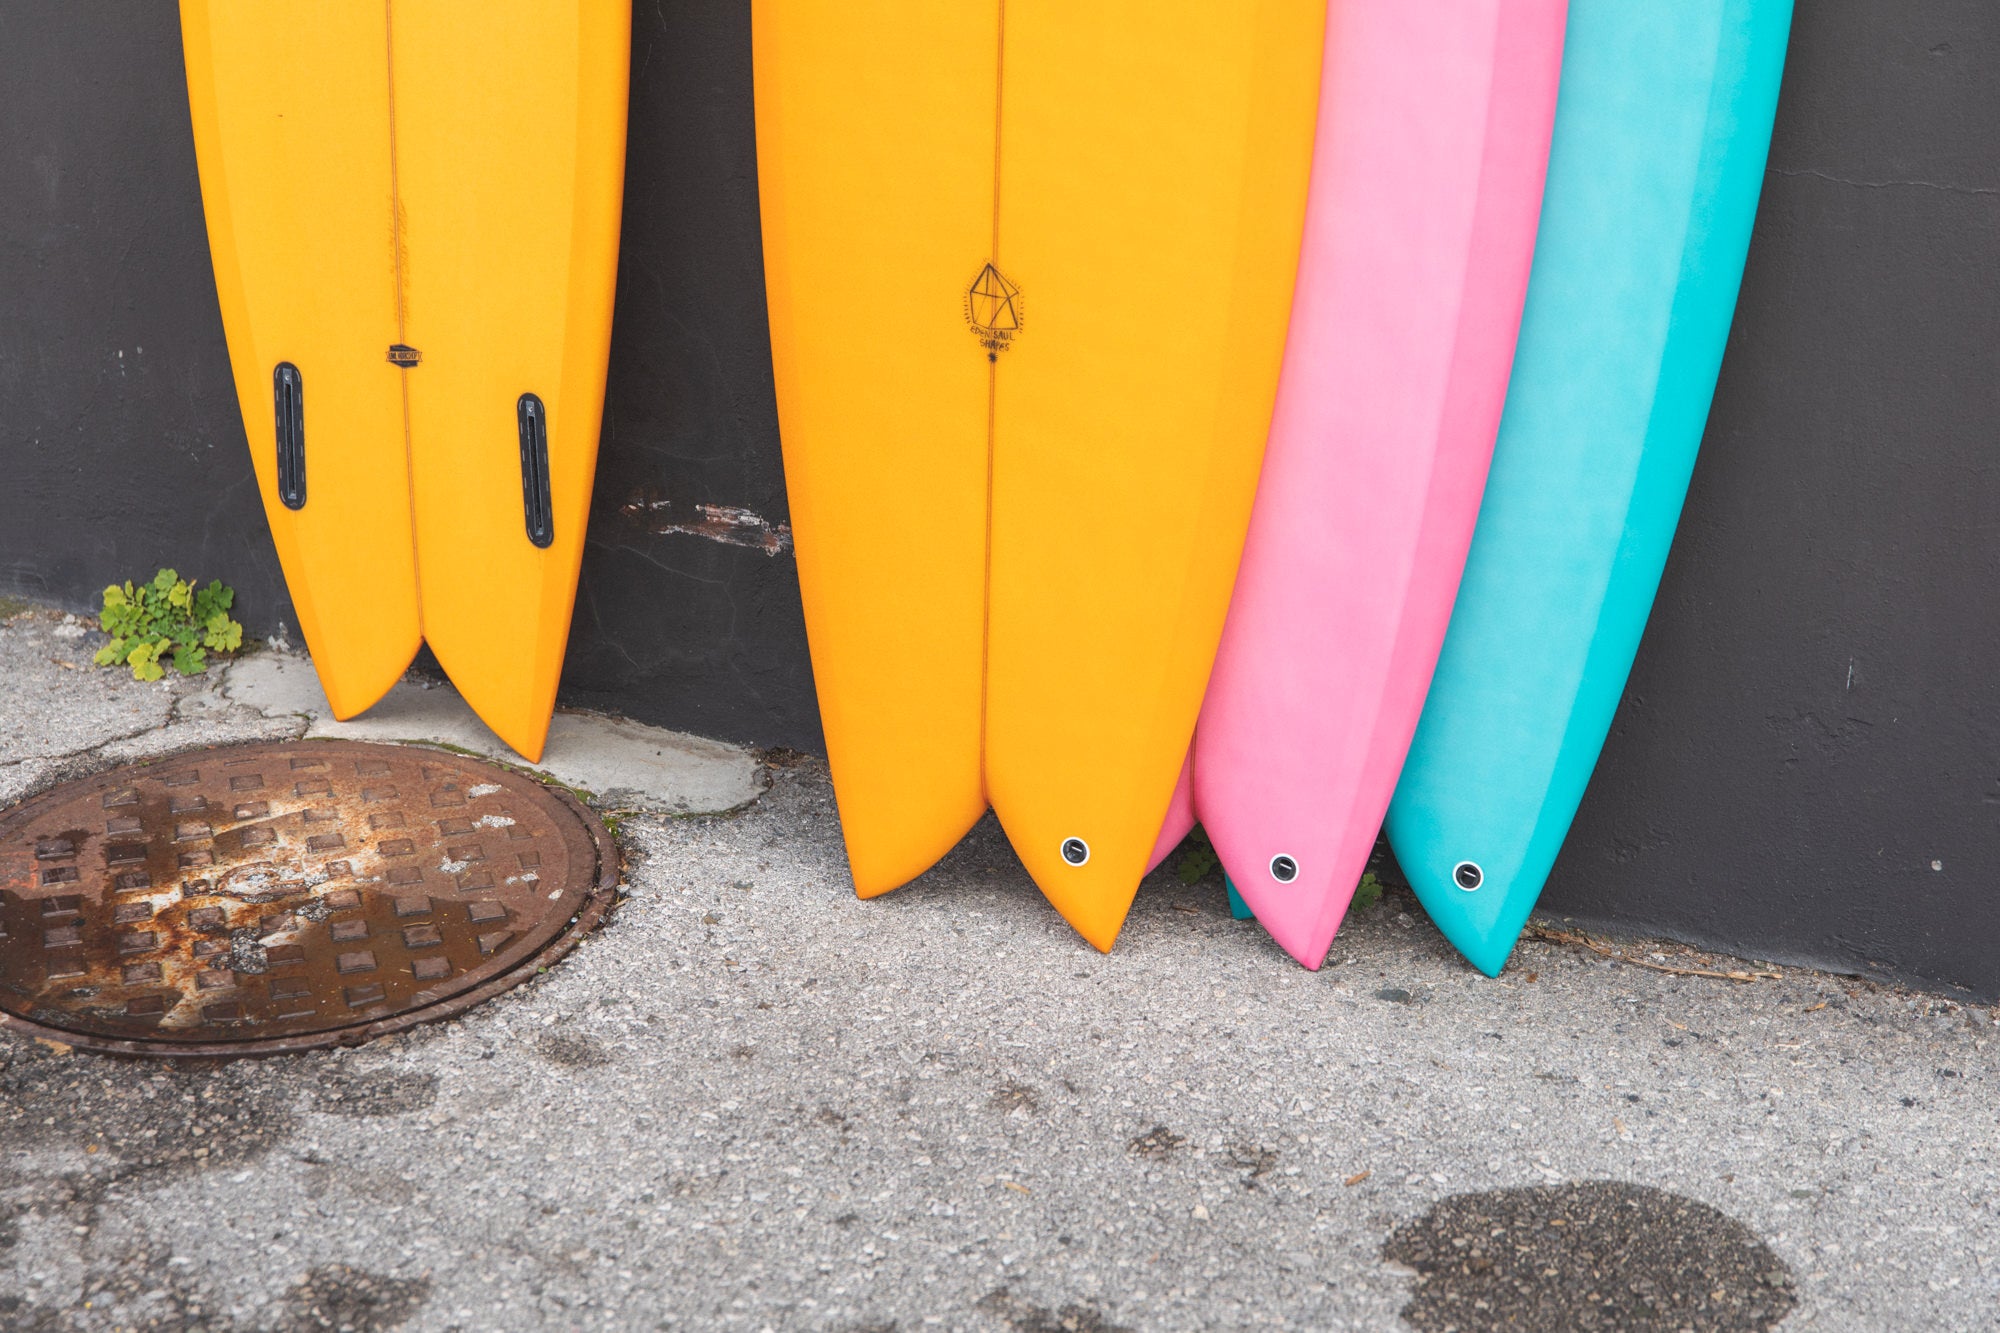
(597, 894)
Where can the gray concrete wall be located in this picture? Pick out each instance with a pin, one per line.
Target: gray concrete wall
(1812, 723)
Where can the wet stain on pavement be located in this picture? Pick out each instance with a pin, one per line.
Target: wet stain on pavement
(170, 1118)
(1251, 1159)
(1600, 1256)
(352, 1300)
(1156, 1143)
(375, 1093)
(1026, 1317)
(572, 1052)
(142, 1290)
(1014, 1097)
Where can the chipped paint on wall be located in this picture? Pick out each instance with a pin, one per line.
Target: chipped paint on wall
(718, 523)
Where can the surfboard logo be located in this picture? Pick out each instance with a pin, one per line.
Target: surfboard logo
(993, 309)
(404, 355)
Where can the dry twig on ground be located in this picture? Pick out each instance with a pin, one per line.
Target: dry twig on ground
(1555, 936)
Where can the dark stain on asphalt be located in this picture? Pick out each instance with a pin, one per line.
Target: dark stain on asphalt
(1026, 1317)
(1156, 1143)
(136, 1289)
(1599, 1256)
(131, 1119)
(572, 1052)
(139, 1289)
(1251, 1159)
(375, 1093)
(352, 1300)
(1013, 1096)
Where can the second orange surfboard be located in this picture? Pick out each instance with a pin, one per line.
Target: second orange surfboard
(1029, 270)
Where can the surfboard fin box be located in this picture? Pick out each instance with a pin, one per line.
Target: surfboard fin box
(288, 392)
(533, 419)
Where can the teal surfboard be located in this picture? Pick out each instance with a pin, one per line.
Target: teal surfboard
(1662, 126)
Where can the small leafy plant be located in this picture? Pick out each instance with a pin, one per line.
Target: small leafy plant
(1367, 893)
(167, 623)
(1197, 857)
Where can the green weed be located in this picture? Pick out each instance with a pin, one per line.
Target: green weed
(1195, 858)
(167, 623)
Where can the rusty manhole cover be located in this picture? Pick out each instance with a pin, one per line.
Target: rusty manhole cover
(274, 897)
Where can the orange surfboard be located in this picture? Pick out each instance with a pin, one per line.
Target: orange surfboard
(1029, 267)
(413, 210)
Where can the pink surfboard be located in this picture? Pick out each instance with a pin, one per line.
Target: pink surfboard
(1434, 126)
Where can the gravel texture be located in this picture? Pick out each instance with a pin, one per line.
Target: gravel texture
(751, 1101)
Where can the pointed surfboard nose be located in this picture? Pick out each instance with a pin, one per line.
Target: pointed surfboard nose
(1489, 954)
(1473, 907)
(1090, 878)
(1098, 916)
(1297, 880)
(514, 708)
(525, 731)
(1100, 934)
(1305, 938)
(353, 684)
(1092, 912)
(1304, 945)
(886, 849)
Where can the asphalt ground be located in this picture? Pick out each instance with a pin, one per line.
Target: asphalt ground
(751, 1101)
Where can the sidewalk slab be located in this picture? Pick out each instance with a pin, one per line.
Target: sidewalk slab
(57, 703)
(61, 716)
(622, 764)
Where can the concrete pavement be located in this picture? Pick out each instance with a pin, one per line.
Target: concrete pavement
(752, 1101)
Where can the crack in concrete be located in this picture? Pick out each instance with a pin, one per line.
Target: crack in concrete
(1945, 186)
(27, 776)
(91, 749)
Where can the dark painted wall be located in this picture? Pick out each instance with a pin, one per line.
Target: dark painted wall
(1813, 720)
(119, 450)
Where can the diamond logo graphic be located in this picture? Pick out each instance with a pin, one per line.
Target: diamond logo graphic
(993, 309)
